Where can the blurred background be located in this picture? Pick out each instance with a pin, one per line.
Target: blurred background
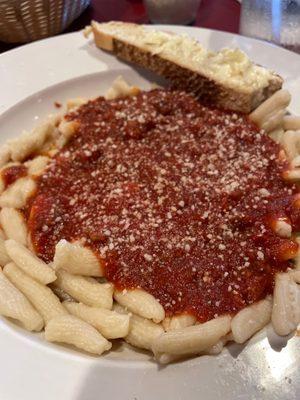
(215, 14)
(277, 21)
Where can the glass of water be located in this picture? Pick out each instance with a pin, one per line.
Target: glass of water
(172, 11)
(277, 21)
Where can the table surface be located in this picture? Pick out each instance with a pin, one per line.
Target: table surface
(215, 14)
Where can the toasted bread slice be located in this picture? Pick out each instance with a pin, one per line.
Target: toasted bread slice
(227, 79)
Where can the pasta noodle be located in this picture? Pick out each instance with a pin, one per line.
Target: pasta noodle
(141, 303)
(270, 113)
(295, 162)
(110, 324)
(297, 258)
(29, 263)
(14, 304)
(37, 165)
(2, 185)
(4, 257)
(8, 165)
(72, 330)
(250, 320)
(85, 290)
(142, 331)
(43, 299)
(5, 154)
(30, 142)
(54, 119)
(164, 358)
(120, 88)
(193, 339)
(76, 259)
(292, 175)
(286, 305)
(178, 322)
(67, 130)
(17, 194)
(76, 102)
(291, 122)
(291, 142)
(295, 275)
(218, 347)
(277, 135)
(274, 121)
(13, 225)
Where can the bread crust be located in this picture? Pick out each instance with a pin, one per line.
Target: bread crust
(204, 88)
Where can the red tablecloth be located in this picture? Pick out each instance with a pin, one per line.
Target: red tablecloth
(215, 14)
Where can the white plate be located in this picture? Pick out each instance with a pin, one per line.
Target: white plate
(266, 368)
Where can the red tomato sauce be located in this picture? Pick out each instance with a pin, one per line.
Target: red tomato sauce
(175, 197)
(10, 174)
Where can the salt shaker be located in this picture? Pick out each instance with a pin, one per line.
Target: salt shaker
(179, 12)
(274, 20)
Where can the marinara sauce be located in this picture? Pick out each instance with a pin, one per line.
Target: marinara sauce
(10, 174)
(175, 197)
